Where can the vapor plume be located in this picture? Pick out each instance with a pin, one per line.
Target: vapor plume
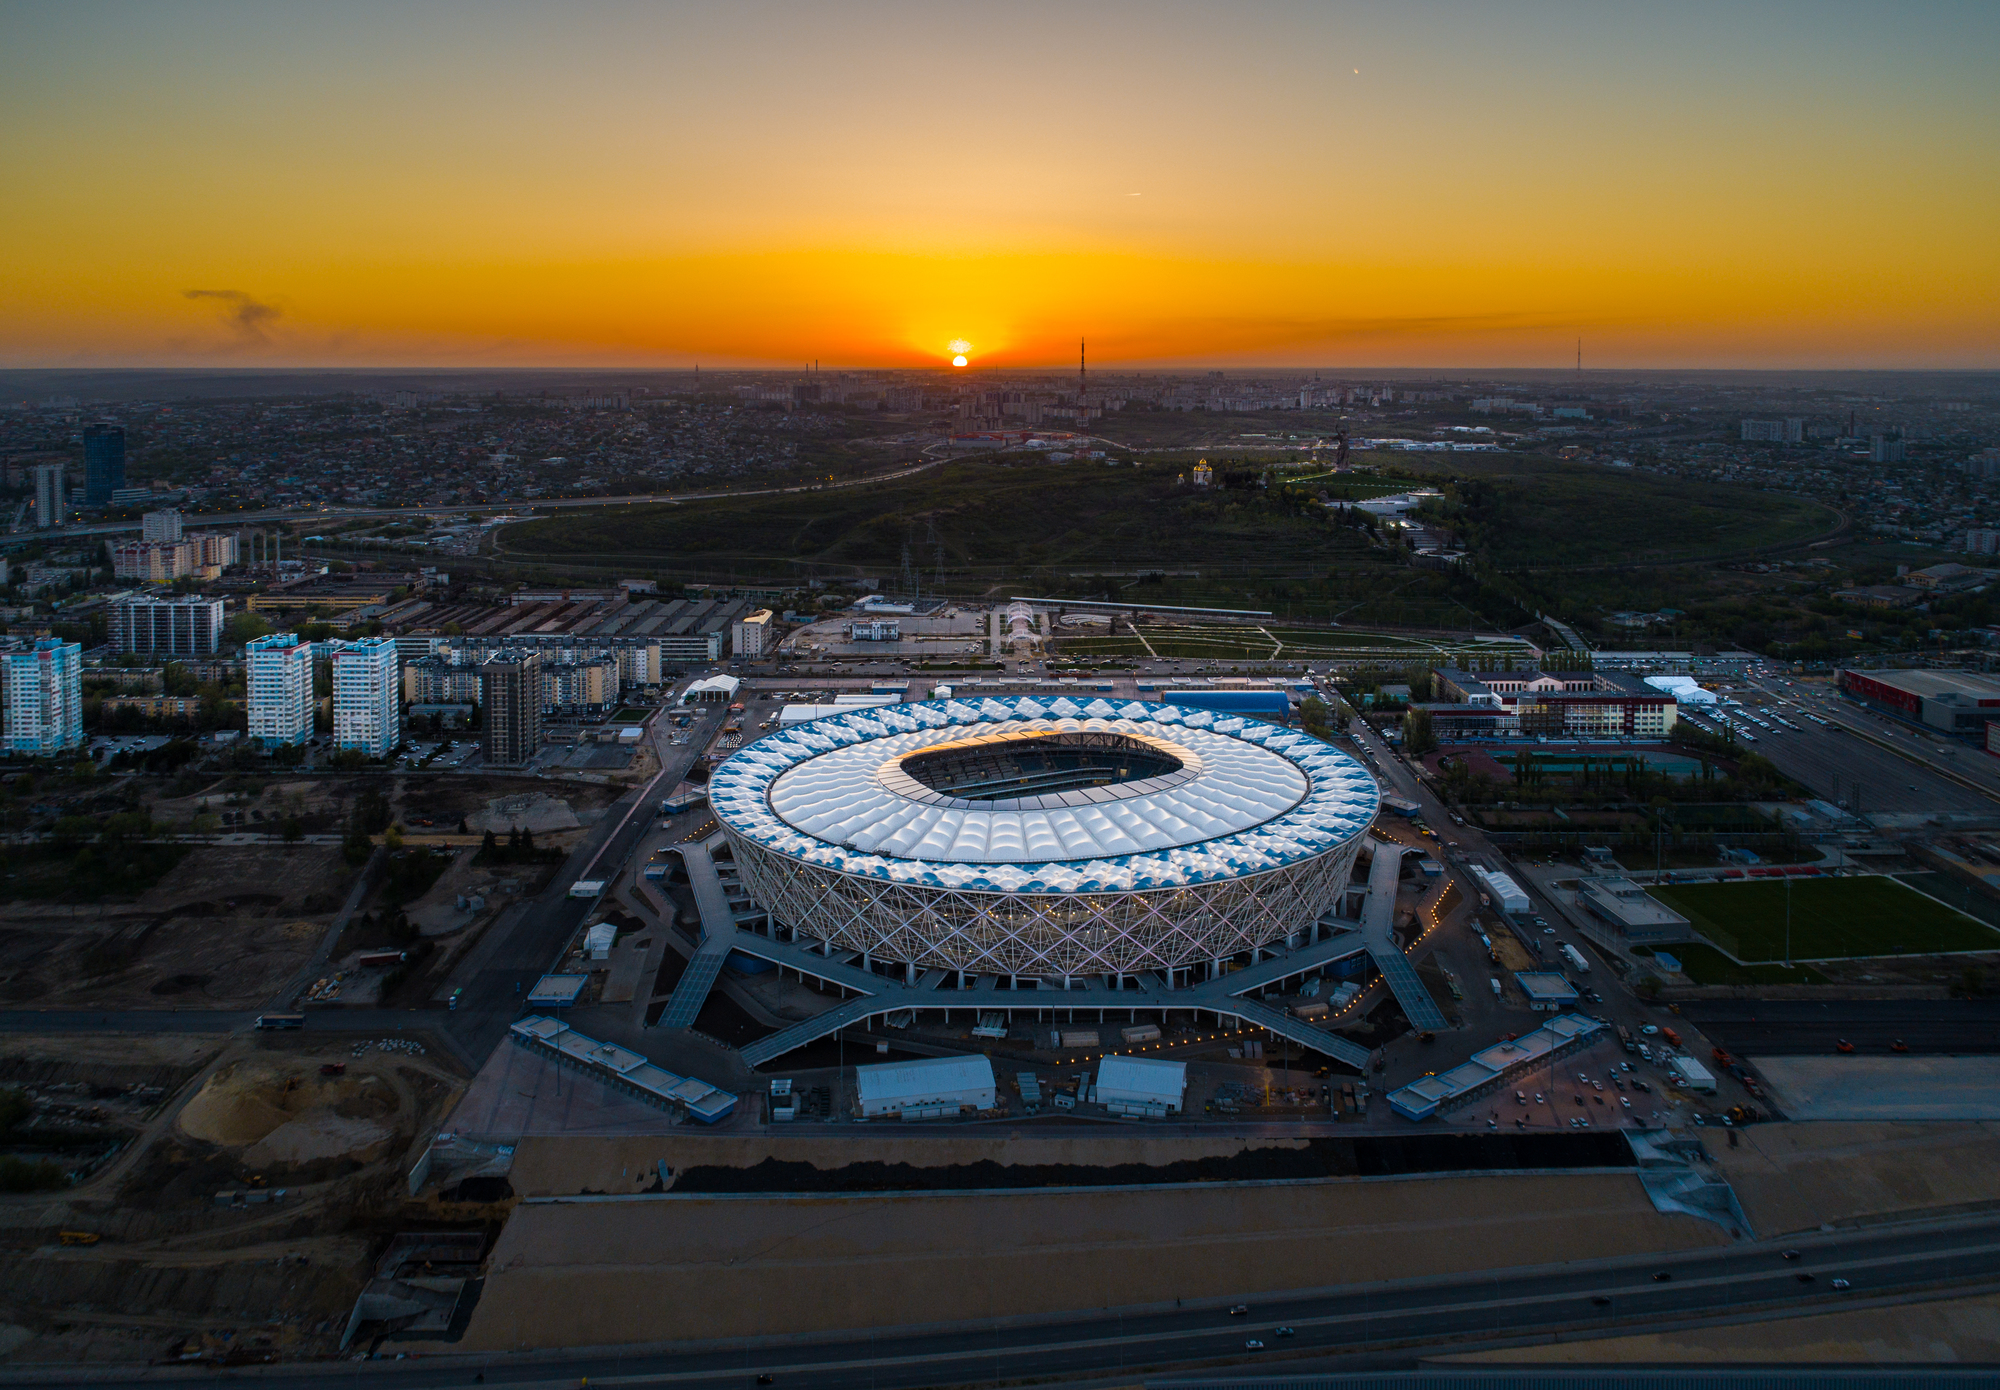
(249, 317)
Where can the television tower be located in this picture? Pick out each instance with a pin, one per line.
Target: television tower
(1082, 372)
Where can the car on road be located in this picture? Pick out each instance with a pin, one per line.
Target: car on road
(1253, 1345)
(1842, 1285)
(1625, 1101)
(1538, 1097)
(1240, 1310)
(1664, 1276)
(1788, 1254)
(1649, 1029)
(1284, 1332)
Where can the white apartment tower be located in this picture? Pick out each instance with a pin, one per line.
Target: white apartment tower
(752, 637)
(51, 507)
(278, 679)
(367, 696)
(44, 699)
(163, 525)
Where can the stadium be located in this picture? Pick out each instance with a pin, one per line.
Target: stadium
(1026, 837)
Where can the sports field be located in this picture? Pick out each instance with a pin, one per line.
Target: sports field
(1831, 918)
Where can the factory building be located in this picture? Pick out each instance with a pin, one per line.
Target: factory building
(1960, 703)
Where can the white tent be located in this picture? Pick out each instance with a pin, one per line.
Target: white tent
(1684, 689)
(935, 1085)
(1137, 1083)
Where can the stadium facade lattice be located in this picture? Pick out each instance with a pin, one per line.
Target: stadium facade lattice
(1034, 837)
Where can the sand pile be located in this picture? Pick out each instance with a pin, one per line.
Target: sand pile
(320, 1133)
(282, 1114)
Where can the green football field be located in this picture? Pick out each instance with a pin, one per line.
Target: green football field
(1830, 918)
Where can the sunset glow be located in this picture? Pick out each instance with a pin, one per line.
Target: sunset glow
(654, 184)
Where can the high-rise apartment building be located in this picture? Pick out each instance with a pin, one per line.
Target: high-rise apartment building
(511, 707)
(44, 685)
(367, 696)
(278, 684)
(163, 525)
(51, 507)
(190, 626)
(204, 554)
(103, 463)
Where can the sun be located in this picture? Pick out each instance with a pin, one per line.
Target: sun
(959, 348)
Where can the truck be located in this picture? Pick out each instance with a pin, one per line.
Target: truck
(1575, 958)
(587, 888)
(1401, 805)
(1671, 1036)
(1694, 1075)
(276, 1021)
(1495, 982)
(1626, 1040)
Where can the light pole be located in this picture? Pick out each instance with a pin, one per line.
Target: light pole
(1788, 921)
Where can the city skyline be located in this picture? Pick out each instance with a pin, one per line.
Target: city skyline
(622, 185)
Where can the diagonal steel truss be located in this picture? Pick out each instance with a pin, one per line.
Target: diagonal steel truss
(1044, 934)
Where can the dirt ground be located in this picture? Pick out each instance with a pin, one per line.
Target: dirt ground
(667, 1268)
(1794, 1177)
(445, 801)
(249, 1113)
(223, 929)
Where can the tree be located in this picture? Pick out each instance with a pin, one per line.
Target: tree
(1418, 736)
(245, 627)
(293, 831)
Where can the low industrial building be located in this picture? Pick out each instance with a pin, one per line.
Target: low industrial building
(1141, 1086)
(933, 1088)
(711, 690)
(1960, 703)
(1639, 918)
(622, 1070)
(1548, 991)
(1490, 1069)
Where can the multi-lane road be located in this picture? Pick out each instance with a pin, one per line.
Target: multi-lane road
(1870, 763)
(1808, 1027)
(1386, 1324)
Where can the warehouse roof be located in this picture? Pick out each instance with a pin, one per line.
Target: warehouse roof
(931, 1076)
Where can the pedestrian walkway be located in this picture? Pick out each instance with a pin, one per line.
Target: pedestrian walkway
(1378, 923)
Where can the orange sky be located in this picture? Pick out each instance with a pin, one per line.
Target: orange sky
(772, 183)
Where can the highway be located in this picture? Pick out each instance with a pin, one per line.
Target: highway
(1392, 1324)
(1805, 1027)
(1891, 767)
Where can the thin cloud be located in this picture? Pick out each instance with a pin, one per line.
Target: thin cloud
(251, 318)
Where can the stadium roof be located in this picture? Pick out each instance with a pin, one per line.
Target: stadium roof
(1242, 796)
